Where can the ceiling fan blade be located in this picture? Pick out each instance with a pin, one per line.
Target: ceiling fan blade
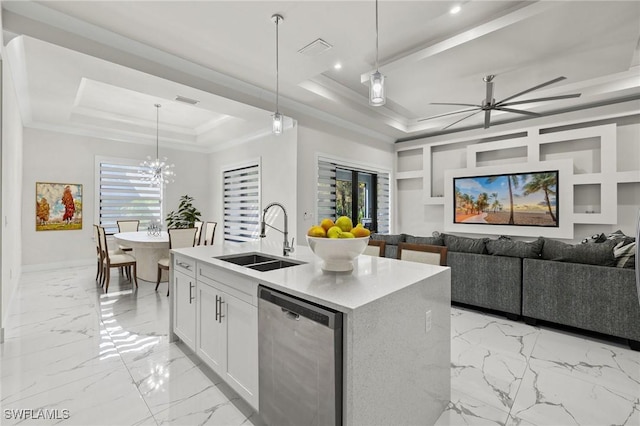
(518, 111)
(539, 86)
(448, 113)
(550, 98)
(487, 118)
(449, 103)
(463, 118)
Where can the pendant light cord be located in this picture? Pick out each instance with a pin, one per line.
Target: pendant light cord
(376, 35)
(277, 69)
(157, 130)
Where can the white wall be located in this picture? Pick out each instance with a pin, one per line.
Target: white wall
(311, 141)
(57, 157)
(277, 156)
(12, 135)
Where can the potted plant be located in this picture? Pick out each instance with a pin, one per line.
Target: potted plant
(185, 216)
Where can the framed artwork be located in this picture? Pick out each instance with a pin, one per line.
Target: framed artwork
(58, 206)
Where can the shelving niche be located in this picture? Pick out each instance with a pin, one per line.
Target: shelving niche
(590, 148)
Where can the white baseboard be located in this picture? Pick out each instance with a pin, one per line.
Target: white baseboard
(57, 265)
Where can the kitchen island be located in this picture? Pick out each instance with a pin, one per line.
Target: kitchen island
(396, 333)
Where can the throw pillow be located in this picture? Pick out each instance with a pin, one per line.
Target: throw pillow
(625, 253)
(597, 238)
(433, 241)
(591, 254)
(465, 245)
(504, 247)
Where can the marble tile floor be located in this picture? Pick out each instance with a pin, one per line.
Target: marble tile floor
(83, 357)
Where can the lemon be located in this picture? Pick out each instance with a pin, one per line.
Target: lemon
(344, 223)
(346, 235)
(326, 224)
(317, 231)
(334, 232)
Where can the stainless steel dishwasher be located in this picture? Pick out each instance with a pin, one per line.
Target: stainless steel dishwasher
(300, 359)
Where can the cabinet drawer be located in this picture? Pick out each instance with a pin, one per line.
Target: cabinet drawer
(241, 287)
(185, 265)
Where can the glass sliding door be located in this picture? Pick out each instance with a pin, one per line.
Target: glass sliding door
(361, 208)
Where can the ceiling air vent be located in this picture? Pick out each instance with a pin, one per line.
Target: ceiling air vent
(315, 48)
(186, 100)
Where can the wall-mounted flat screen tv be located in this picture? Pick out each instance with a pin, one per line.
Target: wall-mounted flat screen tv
(520, 199)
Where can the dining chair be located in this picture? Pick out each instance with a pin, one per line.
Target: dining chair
(198, 226)
(375, 248)
(424, 253)
(178, 238)
(96, 237)
(115, 259)
(127, 226)
(209, 233)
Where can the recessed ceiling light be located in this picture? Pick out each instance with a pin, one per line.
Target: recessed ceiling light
(455, 9)
(337, 66)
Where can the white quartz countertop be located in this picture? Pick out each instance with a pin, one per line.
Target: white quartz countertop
(372, 277)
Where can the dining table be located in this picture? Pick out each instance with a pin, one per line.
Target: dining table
(147, 249)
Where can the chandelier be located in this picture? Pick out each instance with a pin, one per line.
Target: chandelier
(157, 172)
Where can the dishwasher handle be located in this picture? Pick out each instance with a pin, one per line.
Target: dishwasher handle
(302, 308)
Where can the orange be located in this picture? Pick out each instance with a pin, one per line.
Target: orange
(326, 224)
(316, 231)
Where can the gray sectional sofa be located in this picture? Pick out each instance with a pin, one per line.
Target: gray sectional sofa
(540, 283)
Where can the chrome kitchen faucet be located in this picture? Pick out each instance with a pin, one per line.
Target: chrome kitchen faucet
(286, 247)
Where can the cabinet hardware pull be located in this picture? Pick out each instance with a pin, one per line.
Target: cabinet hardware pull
(184, 265)
(221, 315)
(190, 292)
(217, 301)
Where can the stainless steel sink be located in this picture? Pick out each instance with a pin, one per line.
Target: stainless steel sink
(259, 262)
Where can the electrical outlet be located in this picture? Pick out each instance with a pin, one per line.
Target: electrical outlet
(308, 216)
(427, 322)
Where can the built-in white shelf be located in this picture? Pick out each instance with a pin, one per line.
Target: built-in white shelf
(588, 152)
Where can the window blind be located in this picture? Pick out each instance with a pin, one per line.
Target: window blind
(384, 207)
(242, 203)
(123, 195)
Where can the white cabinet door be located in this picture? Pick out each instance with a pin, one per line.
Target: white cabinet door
(184, 316)
(241, 319)
(211, 330)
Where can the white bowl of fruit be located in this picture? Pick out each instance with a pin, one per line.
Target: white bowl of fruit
(338, 244)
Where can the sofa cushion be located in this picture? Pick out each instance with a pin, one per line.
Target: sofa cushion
(592, 254)
(465, 245)
(504, 247)
(433, 241)
(393, 239)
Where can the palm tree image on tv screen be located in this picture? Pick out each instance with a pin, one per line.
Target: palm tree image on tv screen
(529, 199)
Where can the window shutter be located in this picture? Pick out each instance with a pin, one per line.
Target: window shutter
(384, 208)
(123, 195)
(242, 203)
(326, 190)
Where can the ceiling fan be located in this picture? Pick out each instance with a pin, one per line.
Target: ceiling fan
(489, 104)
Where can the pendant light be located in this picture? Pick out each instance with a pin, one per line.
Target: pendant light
(376, 80)
(277, 117)
(157, 172)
